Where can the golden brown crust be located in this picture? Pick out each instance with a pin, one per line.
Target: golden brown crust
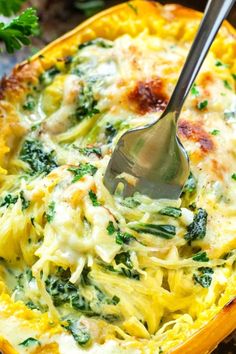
(15, 86)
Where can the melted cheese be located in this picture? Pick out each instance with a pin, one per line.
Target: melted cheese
(152, 300)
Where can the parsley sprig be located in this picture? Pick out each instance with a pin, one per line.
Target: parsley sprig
(10, 7)
(16, 33)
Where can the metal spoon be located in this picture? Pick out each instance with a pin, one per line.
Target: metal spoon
(153, 155)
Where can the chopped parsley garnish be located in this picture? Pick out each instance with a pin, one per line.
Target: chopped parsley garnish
(163, 231)
(215, 132)
(29, 342)
(93, 198)
(99, 42)
(50, 212)
(24, 202)
(82, 170)
(16, 33)
(233, 176)
(201, 257)
(227, 85)
(38, 159)
(194, 90)
(48, 76)
(8, 200)
(80, 333)
(202, 105)
(29, 104)
(86, 105)
(204, 277)
(170, 211)
(197, 229)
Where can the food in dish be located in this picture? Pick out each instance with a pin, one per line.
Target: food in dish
(85, 271)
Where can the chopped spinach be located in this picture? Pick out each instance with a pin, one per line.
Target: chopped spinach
(38, 159)
(47, 77)
(110, 132)
(82, 170)
(111, 228)
(8, 200)
(51, 212)
(197, 229)
(201, 257)
(99, 42)
(93, 198)
(204, 277)
(24, 202)
(86, 105)
(130, 202)
(233, 176)
(170, 211)
(80, 333)
(163, 231)
(87, 151)
(202, 105)
(11, 199)
(59, 287)
(190, 185)
(124, 258)
(129, 272)
(30, 103)
(215, 132)
(234, 76)
(121, 237)
(29, 342)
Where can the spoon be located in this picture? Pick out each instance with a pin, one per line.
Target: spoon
(151, 160)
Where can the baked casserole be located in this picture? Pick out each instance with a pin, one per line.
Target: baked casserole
(83, 271)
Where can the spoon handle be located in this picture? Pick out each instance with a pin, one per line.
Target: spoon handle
(216, 11)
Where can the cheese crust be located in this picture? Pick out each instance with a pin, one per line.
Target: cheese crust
(82, 270)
